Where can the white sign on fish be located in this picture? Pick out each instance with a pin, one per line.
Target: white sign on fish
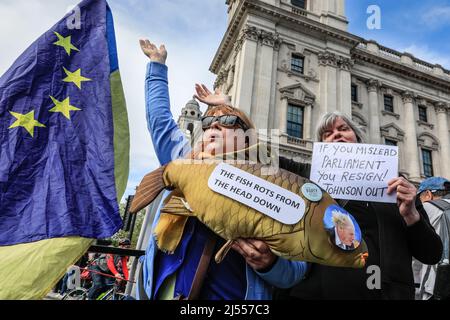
(355, 171)
(268, 198)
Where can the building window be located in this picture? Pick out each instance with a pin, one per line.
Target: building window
(354, 93)
(299, 3)
(295, 121)
(389, 103)
(297, 63)
(427, 163)
(390, 142)
(423, 114)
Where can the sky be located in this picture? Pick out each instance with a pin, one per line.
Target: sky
(192, 31)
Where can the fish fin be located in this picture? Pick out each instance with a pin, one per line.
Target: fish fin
(148, 189)
(172, 221)
(177, 205)
(169, 231)
(222, 253)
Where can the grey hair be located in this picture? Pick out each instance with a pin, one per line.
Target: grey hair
(341, 220)
(330, 118)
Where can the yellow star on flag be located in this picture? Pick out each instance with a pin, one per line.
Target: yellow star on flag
(66, 43)
(26, 121)
(75, 77)
(63, 106)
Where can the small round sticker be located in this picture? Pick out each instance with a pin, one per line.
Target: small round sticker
(343, 230)
(312, 192)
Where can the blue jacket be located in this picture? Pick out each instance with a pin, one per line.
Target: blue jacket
(170, 144)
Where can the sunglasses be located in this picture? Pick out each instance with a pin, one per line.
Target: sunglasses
(228, 121)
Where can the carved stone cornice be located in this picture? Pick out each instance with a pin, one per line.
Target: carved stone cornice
(392, 114)
(221, 77)
(392, 132)
(428, 141)
(270, 39)
(408, 97)
(251, 33)
(299, 93)
(425, 124)
(327, 59)
(441, 107)
(247, 33)
(345, 63)
(422, 102)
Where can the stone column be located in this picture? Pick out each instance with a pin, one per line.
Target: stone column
(237, 67)
(442, 122)
(274, 87)
(263, 82)
(374, 112)
(341, 7)
(246, 72)
(283, 115)
(328, 94)
(345, 97)
(411, 150)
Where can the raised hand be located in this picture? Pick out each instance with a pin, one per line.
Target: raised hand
(151, 51)
(207, 97)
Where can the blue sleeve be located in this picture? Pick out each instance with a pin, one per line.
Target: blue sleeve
(168, 140)
(285, 273)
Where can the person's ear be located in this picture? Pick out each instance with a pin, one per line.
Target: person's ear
(428, 195)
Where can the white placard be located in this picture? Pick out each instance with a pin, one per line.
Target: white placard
(265, 197)
(355, 171)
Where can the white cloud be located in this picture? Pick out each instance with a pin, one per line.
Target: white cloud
(191, 30)
(437, 16)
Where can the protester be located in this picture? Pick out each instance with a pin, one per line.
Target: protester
(106, 269)
(393, 233)
(431, 190)
(118, 265)
(248, 272)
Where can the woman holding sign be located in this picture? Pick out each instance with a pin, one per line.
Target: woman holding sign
(252, 269)
(394, 233)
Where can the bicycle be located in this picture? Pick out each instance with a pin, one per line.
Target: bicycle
(76, 294)
(80, 293)
(114, 293)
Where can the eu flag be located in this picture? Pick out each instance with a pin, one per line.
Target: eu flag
(64, 149)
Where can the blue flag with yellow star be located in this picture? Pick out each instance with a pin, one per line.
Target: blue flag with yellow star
(64, 150)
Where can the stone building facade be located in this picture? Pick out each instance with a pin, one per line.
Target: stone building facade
(287, 62)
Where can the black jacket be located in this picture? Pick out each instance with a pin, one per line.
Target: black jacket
(397, 242)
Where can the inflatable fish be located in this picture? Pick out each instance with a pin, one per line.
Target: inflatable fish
(192, 196)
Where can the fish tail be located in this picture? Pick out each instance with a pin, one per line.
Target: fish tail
(148, 189)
